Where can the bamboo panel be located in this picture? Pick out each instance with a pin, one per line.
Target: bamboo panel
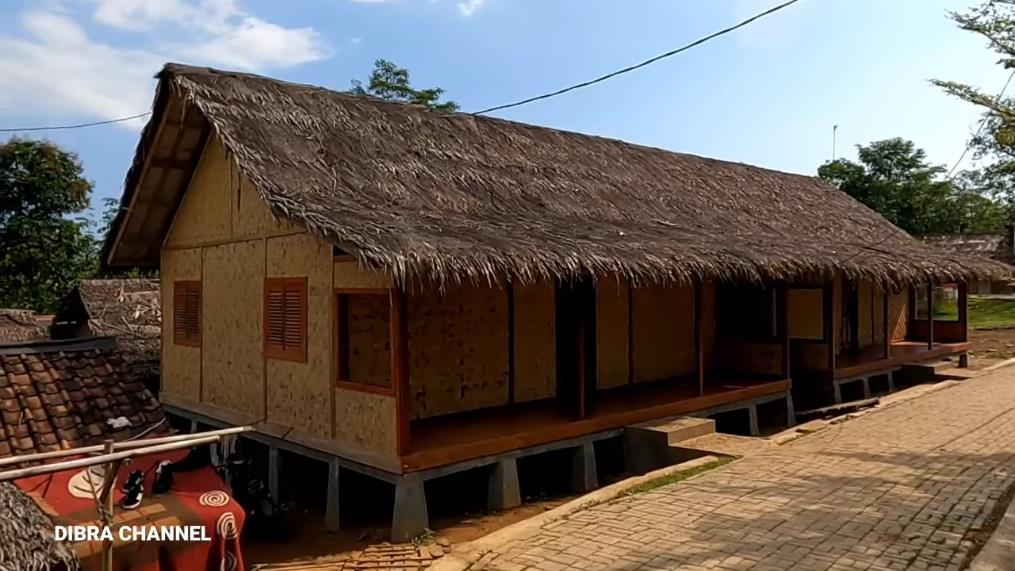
(612, 321)
(663, 321)
(181, 365)
(535, 342)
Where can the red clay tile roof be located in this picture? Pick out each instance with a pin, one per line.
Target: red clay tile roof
(61, 394)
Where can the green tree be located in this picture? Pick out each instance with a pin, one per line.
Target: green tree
(43, 251)
(994, 20)
(893, 178)
(388, 81)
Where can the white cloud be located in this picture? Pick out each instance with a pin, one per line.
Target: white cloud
(469, 7)
(55, 66)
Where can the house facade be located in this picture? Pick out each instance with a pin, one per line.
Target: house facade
(407, 294)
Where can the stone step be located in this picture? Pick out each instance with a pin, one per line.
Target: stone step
(931, 367)
(719, 444)
(650, 445)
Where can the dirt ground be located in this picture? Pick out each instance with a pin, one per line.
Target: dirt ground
(307, 538)
(990, 346)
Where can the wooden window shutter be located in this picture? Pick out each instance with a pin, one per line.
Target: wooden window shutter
(285, 318)
(187, 313)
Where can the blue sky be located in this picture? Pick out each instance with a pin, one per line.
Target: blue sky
(768, 95)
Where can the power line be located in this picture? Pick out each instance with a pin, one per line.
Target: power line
(77, 126)
(642, 64)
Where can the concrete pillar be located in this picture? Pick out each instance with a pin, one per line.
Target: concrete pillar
(331, 517)
(194, 426)
(891, 381)
(837, 389)
(504, 491)
(410, 518)
(583, 470)
(273, 469)
(866, 387)
(964, 360)
(790, 410)
(752, 420)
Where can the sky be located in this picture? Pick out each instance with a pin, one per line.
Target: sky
(768, 94)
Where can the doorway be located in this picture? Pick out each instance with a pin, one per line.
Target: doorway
(576, 346)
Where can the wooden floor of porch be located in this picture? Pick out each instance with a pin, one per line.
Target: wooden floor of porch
(871, 359)
(454, 438)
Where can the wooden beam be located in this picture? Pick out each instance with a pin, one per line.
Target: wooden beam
(699, 346)
(886, 342)
(399, 342)
(930, 315)
(963, 302)
(172, 163)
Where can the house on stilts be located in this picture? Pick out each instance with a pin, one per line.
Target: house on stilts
(407, 293)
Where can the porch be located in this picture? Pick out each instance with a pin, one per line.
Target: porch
(453, 438)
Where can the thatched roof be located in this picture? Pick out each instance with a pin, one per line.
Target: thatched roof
(128, 309)
(996, 247)
(20, 325)
(27, 535)
(452, 196)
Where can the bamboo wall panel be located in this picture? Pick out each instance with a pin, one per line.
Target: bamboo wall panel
(181, 365)
(365, 421)
(837, 293)
(458, 349)
(535, 342)
(898, 315)
(300, 394)
(369, 339)
(708, 322)
(251, 215)
(877, 315)
(232, 364)
(805, 313)
(612, 317)
(663, 320)
(204, 214)
(865, 298)
(350, 274)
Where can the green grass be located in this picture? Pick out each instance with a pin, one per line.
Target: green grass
(986, 313)
(674, 477)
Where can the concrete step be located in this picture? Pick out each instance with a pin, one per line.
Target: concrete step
(719, 444)
(675, 429)
(932, 368)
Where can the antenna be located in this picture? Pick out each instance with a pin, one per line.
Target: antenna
(835, 129)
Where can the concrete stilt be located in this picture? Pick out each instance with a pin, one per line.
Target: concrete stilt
(837, 389)
(583, 471)
(273, 469)
(194, 427)
(331, 517)
(790, 410)
(866, 387)
(891, 381)
(752, 420)
(504, 491)
(964, 360)
(410, 518)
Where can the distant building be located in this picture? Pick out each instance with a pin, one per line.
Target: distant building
(20, 325)
(998, 247)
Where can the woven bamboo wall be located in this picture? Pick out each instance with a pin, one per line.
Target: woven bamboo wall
(898, 315)
(458, 349)
(365, 421)
(535, 342)
(805, 313)
(663, 332)
(369, 339)
(232, 365)
(300, 394)
(181, 365)
(612, 322)
(349, 274)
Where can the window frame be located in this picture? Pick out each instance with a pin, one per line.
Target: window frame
(182, 288)
(272, 350)
(340, 347)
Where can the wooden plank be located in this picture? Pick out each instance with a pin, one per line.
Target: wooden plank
(886, 342)
(963, 302)
(930, 316)
(399, 343)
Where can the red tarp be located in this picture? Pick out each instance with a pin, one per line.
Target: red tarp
(197, 498)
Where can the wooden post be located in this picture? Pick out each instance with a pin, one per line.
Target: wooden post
(886, 342)
(963, 302)
(699, 346)
(930, 316)
(511, 341)
(399, 342)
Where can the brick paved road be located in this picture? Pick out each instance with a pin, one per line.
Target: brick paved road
(905, 487)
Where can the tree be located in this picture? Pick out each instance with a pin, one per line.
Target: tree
(43, 252)
(995, 21)
(388, 81)
(894, 179)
